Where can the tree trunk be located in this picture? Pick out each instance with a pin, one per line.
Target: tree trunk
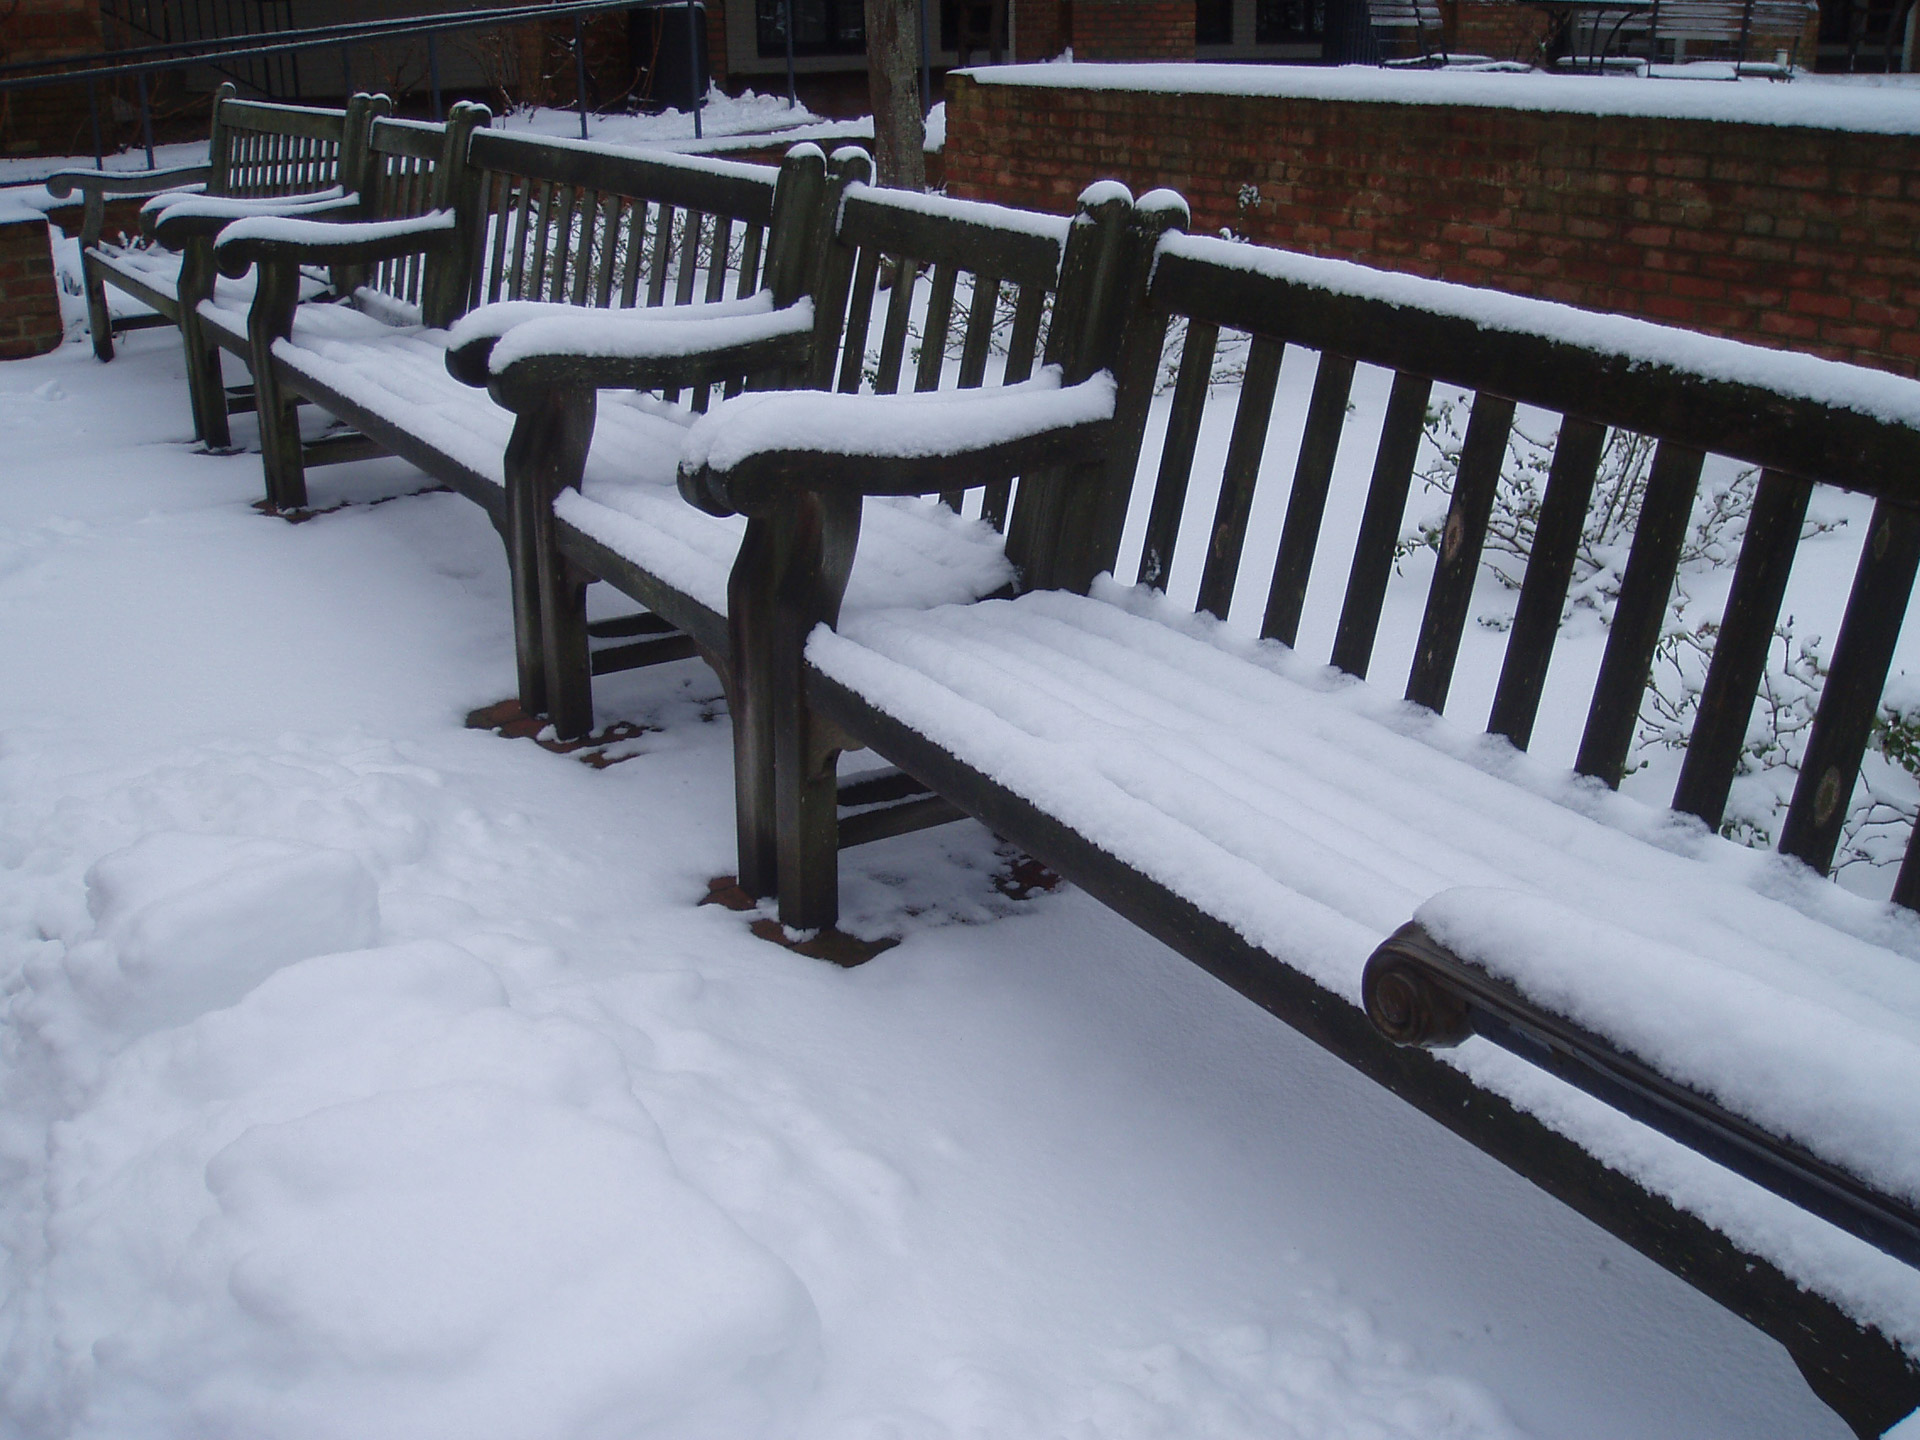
(893, 61)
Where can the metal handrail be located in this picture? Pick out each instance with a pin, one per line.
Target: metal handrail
(87, 70)
(173, 56)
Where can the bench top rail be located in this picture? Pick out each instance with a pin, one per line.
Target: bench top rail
(1805, 423)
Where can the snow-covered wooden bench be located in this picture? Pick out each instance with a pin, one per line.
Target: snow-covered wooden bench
(262, 158)
(1276, 820)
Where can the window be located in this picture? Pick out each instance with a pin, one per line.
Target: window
(1276, 22)
(820, 27)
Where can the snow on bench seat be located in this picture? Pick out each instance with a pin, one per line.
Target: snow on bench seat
(1314, 814)
(158, 270)
(913, 552)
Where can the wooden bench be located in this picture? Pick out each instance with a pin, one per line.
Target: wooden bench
(262, 158)
(1276, 821)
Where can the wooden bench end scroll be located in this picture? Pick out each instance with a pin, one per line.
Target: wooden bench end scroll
(1406, 997)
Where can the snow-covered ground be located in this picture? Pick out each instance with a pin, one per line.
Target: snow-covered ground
(366, 1075)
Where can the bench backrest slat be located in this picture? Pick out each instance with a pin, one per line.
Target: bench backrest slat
(1307, 499)
(258, 149)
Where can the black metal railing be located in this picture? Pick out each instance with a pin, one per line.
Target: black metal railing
(140, 62)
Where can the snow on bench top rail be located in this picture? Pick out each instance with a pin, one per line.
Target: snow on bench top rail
(1865, 110)
(733, 169)
(906, 427)
(1892, 399)
(973, 212)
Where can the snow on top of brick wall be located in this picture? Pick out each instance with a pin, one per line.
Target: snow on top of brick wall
(1884, 110)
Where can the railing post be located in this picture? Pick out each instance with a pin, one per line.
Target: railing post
(146, 118)
(793, 95)
(433, 73)
(580, 73)
(696, 15)
(93, 118)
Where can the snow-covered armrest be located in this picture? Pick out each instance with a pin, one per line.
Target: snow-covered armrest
(177, 218)
(1800, 1072)
(751, 452)
(63, 183)
(471, 339)
(655, 347)
(291, 239)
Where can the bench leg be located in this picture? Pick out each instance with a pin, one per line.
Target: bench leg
(750, 618)
(821, 533)
(99, 320)
(552, 430)
(276, 294)
(205, 389)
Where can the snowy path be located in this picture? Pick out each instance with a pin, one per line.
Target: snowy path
(396, 1085)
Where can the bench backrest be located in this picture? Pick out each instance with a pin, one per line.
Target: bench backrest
(1602, 381)
(413, 167)
(259, 150)
(968, 294)
(586, 225)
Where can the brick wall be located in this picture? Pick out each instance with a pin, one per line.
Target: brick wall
(1042, 28)
(51, 119)
(29, 303)
(1795, 237)
(1130, 29)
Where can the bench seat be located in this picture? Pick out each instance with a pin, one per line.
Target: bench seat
(916, 551)
(1312, 814)
(152, 275)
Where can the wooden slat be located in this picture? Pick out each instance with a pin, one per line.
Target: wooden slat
(608, 225)
(560, 248)
(1379, 534)
(974, 346)
(1450, 596)
(522, 242)
(1176, 453)
(978, 341)
(1740, 653)
(1244, 449)
(853, 358)
(1307, 500)
(1640, 613)
(689, 257)
(659, 254)
(750, 261)
(933, 330)
(1023, 347)
(587, 213)
(893, 332)
(1543, 594)
(1023, 342)
(722, 254)
(635, 248)
(1862, 655)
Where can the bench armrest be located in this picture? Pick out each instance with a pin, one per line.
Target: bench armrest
(1418, 991)
(654, 347)
(299, 241)
(63, 183)
(754, 452)
(175, 219)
